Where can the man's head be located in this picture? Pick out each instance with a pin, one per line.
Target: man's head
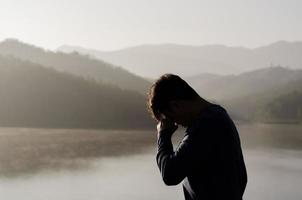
(171, 97)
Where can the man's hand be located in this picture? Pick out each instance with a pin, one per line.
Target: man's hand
(166, 125)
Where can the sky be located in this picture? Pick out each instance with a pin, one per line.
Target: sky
(116, 24)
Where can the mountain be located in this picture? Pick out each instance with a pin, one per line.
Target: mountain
(32, 95)
(76, 64)
(260, 95)
(154, 60)
(229, 87)
(279, 104)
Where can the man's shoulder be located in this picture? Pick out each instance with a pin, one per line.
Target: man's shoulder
(211, 113)
(208, 118)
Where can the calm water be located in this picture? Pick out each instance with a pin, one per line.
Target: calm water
(273, 155)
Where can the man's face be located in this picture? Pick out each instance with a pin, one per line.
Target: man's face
(175, 113)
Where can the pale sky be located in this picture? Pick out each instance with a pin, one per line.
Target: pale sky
(116, 24)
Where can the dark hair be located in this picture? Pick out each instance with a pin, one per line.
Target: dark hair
(165, 89)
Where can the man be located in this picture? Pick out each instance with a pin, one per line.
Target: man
(209, 158)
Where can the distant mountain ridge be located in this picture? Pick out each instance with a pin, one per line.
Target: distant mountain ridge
(227, 87)
(264, 94)
(185, 60)
(76, 64)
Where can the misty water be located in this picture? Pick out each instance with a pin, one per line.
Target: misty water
(38, 164)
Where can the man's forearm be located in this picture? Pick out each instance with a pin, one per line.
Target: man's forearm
(164, 153)
(164, 142)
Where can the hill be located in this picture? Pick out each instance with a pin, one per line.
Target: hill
(228, 87)
(76, 64)
(185, 60)
(284, 108)
(32, 95)
(267, 95)
(273, 105)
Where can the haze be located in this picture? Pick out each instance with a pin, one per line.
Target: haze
(116, 24)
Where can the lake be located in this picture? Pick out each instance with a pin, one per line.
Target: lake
(66, 164)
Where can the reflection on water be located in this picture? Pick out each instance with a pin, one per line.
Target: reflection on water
(28, 151)
(274, 175)
(134, 177)
(272, 154)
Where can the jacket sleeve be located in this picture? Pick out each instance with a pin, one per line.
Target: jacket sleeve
(175, 165)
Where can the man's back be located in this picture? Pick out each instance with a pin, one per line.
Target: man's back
(209, 159)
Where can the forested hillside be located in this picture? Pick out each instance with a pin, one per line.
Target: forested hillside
(268, 95)
(32, 95)
(285, 108)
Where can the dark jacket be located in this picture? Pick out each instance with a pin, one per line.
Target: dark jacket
(208, 160)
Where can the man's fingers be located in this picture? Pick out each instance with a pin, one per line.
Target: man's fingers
(166, 125)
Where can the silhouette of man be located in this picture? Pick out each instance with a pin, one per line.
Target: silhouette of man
(209, 158)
